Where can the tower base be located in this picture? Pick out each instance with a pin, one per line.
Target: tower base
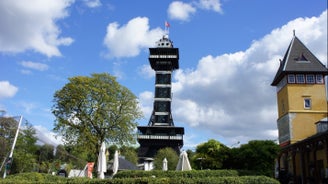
(153, 138)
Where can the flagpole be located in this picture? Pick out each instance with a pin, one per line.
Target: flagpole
(167, 28)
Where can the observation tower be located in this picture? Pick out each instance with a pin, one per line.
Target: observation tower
(161, 132)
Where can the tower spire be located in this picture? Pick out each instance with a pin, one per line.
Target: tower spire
(167, 28)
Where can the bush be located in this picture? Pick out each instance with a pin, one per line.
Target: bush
(174, 174)
(33, 177)
(147, 177)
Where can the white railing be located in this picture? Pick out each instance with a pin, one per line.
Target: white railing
(166, 137)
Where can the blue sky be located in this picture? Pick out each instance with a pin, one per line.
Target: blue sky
(229, 53)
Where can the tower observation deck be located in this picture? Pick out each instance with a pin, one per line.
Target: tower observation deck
(161, 132)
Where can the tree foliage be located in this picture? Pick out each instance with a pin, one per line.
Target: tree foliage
(8, 128)
(129, 154)
(210, 155)
(90, 110)
(24, 157)
(257, 155)
(171, 157)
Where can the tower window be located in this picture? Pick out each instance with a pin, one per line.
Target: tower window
(300, 78)
(319, 79)
(307, 103)
(291, 78)
(163, 78)
(310, 79)
(162, 92)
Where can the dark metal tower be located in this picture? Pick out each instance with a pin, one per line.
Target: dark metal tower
(161, 132)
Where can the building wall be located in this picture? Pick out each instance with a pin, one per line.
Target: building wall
(303, 126)
(296, 120)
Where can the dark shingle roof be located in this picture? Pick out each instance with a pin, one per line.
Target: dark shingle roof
(298, 59)
(123, 165)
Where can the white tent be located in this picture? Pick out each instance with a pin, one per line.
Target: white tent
(183, 164)
(102, 163)
(115, 163)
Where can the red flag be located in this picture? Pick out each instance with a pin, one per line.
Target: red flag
(167, 24)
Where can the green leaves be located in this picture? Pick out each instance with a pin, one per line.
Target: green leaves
(90, 110)
(209, 155)
(171, 156)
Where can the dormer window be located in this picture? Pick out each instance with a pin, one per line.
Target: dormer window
(310, 79)
(300, 78)
(291, 78)
(319, 79)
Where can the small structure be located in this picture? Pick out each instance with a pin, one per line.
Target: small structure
(147, 164)
(76, 173)
(164, 167)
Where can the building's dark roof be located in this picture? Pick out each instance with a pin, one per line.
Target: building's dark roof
(123, 165)
(298, 59)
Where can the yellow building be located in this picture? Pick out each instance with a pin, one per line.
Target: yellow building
(302, 114)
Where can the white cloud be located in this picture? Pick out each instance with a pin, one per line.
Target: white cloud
(34, 65)
(146, 71)
(179, 10)
(7, 90)
(214, 5)
(182, 11)
(28, 106)
(32, 26)
(146, 101)
(230, 94)
(129, 39)
(92, 3)
(47, 137)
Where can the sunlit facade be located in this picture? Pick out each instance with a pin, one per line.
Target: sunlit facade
(302, 115)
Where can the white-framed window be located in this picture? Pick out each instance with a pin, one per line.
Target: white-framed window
(307, 103)
(300, 78)
(310, 79)
(319, 79)
(291, 78)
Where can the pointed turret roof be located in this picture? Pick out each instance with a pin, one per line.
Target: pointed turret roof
(298, 59)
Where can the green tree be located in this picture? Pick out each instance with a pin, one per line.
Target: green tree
(191, 155)
(24, 157)
(111, 151)
(129, 153)
(257, 155)
(8, 128)
(71, 155)
(90, 110)
(171, 156)
(210, 155)
(45, 156)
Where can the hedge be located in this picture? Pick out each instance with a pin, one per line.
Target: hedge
(186, 177)
(179, 174)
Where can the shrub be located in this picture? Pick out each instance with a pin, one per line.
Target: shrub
(174, 174)
(33, 177)
(147, 177)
